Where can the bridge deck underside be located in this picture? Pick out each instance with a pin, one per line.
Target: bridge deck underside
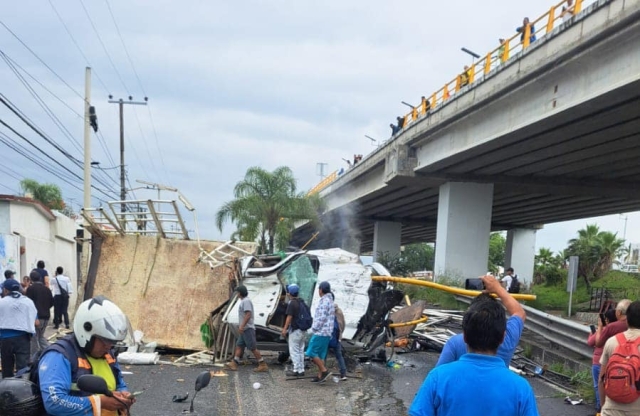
(576, 164)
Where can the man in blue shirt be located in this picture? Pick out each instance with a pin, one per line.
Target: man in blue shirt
(479, 373)
(455, 346)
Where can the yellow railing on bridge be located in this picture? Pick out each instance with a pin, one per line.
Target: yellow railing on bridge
(493, 59)
(324, 183)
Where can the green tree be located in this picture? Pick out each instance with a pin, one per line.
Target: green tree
(47, 193)
(597, 252)
(548, 267)
(266, 205)
(497, 246)
(419, 256)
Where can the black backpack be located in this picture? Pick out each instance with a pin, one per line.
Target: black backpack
(304, 319)
(515, 285)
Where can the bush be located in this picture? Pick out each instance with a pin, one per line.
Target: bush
(557, 297)
(434, 296)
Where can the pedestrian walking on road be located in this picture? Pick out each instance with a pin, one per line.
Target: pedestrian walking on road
(247, 329)
(61, 287)
(322, 330)
(43, 300)
(295, 334)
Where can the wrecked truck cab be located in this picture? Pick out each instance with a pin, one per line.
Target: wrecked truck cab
(365, 304)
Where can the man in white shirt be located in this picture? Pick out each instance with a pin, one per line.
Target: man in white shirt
(507, 278)
(61, 288)
(18, 317)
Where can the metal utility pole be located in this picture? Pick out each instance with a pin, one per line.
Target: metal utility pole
(87, 170)
(123, 189)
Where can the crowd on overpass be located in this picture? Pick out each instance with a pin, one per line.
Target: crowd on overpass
(528, 34)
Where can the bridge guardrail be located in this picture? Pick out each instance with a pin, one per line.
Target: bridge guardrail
(563, 332)
(493, 59)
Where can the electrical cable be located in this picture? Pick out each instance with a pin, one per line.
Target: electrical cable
(43, 105)
(41, 61)
(133, 67)
(73, 39)
(95, 30)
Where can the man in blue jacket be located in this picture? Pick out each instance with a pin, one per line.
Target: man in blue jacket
(456, 347)
(479, 373)
(98, 325)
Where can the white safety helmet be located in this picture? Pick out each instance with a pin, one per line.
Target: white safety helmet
(100, 317)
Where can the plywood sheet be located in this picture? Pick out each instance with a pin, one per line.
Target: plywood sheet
(161, 287)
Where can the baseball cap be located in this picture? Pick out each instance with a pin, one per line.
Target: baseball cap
(8, 274)
(325, 287)
(242, 290)
(293, 289)
(11, 285)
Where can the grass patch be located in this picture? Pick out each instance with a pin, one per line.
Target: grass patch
(434, 296)
(582, 380)
(557, 297)
(619, 280)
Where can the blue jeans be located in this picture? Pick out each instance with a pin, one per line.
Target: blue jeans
(595, 370)
(338, 352)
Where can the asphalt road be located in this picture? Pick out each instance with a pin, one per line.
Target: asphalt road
(379, 391)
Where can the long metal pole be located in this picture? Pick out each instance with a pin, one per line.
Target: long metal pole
(87, 172)
(123, 189)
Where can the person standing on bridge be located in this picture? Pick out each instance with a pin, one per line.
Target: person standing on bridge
(455, 346)
(500, 392)
(523, 29)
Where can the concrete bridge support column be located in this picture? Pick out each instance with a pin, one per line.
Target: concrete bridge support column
(520, 253)
(386, 238)
(464, 225)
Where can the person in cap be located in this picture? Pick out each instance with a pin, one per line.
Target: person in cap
(247, 330)
(296, 335)
(98, 326)
(43, 299)
(10, 274)
(322, 329)
(18, 317)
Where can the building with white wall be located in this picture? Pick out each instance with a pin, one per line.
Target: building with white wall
(29, 232)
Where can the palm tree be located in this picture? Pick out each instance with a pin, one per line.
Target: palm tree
(611, 248)
(266, 205)
(544, 257)
(47, 193)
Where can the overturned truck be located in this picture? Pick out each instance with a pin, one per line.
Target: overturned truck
(366, 304)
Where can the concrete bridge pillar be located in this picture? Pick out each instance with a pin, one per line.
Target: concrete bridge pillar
(464, 225)
(520, 253)
(386, 238)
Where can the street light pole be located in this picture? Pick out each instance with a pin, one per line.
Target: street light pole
(123, 189)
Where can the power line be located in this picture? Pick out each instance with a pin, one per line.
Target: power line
(14, 63)
(124, 46)
(41, 61)
(133, 67)
(73, 39)
(86, 12)
(43, 105)
(44, 153)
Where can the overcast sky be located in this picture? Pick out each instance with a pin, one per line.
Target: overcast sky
(238, 84)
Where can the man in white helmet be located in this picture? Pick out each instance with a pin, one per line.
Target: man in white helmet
(98, 326)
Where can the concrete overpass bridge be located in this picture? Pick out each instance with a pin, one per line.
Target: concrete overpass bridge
(552, 134)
